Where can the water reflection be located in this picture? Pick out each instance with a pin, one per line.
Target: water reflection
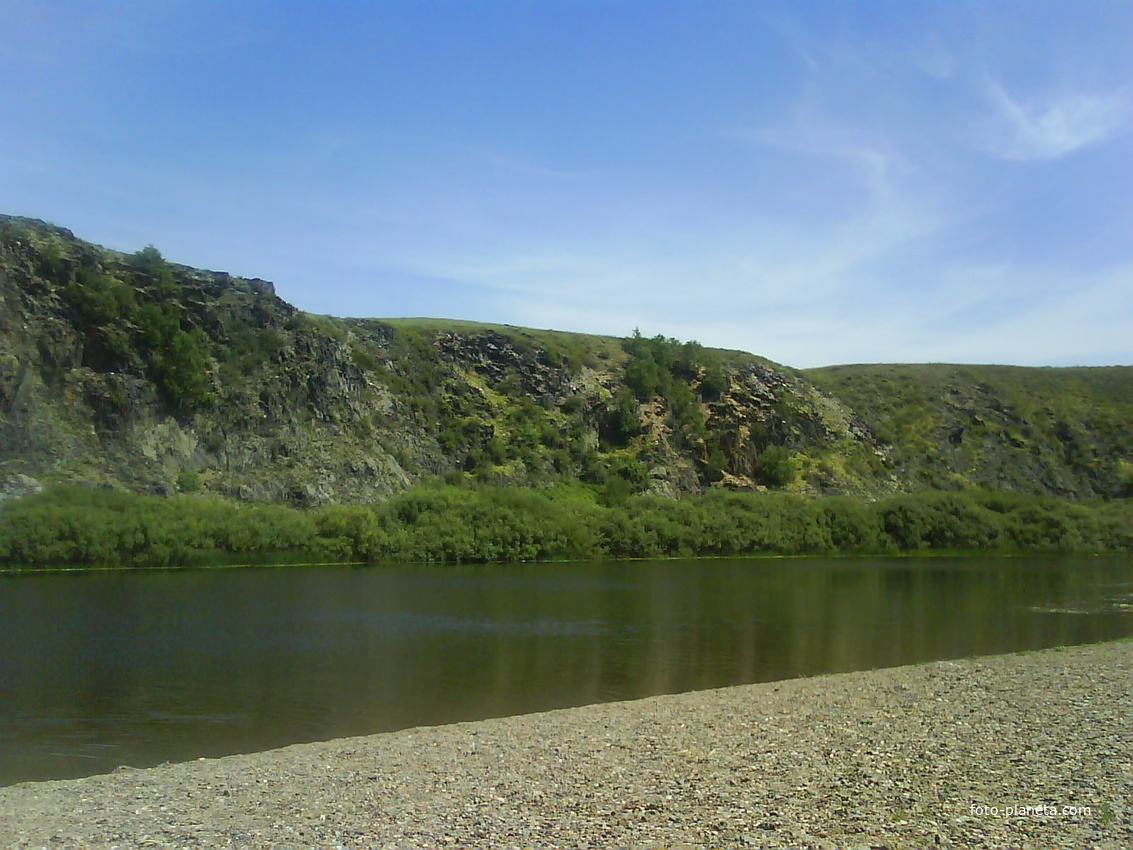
(104, 669)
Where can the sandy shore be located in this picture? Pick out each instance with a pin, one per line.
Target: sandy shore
(932, 755)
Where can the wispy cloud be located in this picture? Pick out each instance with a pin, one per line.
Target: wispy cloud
(930, 57)
(872, 160)
(789, 283)
(526, 167)
(1081, 318)
(781, 289)
(1046, 128)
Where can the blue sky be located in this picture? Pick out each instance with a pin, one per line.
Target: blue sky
(817, 182)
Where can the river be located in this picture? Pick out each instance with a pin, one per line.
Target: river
(101, 669)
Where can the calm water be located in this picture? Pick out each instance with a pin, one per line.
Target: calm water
(104, 669)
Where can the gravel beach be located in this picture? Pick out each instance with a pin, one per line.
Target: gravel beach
(1026, 750)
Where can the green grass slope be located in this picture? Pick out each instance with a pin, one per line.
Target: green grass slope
(1064, 431)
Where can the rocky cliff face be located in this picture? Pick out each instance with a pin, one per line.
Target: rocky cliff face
(129, 371)
(281, 403)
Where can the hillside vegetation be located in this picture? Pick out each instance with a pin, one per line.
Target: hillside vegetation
(69, 525)
(130, 372)
(1065, 431)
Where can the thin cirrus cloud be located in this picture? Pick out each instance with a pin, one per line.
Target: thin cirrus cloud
(1081, 316)
(788, 292)
(815, 183)
(1046, 128)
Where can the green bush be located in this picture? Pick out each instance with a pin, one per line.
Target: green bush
(774, 467)
(65, 525)
(136, 323)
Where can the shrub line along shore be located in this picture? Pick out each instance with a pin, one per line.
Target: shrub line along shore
(75, 526)
(1025, 750)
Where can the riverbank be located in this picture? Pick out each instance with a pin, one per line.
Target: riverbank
(942, 754)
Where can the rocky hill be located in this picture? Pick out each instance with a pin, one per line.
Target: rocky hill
(130, 371)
